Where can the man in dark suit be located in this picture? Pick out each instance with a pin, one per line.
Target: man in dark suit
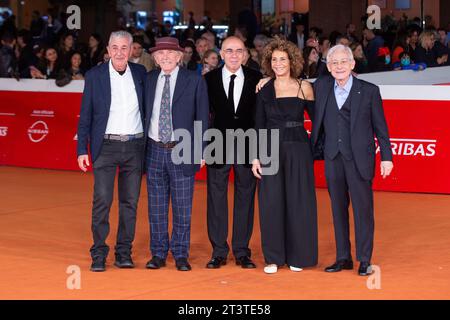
(348, 115)
(175, 98)
(111, 122)
(298, 36)
(232, 99)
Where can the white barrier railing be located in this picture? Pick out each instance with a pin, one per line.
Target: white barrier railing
(394, 85)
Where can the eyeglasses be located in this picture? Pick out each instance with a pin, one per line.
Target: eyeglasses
(231, 51)
(343, 62)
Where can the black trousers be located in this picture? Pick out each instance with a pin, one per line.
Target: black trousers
(345, 183)
(288, 209)
(243, 209)
(127, 159)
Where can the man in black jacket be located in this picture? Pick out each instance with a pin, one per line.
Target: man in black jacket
(232, 99)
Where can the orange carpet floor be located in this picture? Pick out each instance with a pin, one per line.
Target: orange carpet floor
(45, 228)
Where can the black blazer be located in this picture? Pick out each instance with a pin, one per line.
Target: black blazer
(96, 103)
(366, 122)
(223, 117)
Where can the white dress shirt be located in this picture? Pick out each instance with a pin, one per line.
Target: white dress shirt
(238, 84)
(124, 114)
(342, 93)
(154, 121)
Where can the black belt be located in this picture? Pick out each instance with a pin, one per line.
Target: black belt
(293, 124)
(287, 124)
(168, 145)
(123, 137)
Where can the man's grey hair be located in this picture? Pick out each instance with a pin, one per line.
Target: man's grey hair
(261, 38)
(120, 34)
(339, 47)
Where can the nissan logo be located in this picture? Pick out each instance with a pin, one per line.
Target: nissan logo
(38, 131)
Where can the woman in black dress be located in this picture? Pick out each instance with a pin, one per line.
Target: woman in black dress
(287, 199)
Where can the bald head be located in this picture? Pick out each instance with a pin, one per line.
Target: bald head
(232, 53)
(232, 39)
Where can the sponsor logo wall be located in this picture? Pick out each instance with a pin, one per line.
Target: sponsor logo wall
(37, 129)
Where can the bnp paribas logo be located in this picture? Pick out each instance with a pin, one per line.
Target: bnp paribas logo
(412, 147)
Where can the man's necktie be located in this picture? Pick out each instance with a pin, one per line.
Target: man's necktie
(231, 92)
(165, 117)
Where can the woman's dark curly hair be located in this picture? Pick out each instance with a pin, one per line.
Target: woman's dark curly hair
(293, 52)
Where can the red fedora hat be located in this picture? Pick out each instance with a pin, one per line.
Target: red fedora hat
(166, 43)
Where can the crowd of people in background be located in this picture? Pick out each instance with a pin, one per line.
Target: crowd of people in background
(48, 50)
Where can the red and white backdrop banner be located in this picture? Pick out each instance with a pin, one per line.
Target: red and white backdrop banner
(38, 123)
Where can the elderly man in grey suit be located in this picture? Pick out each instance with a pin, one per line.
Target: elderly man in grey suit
(348, 115)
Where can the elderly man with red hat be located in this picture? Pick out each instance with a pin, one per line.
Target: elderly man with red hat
(176, 100)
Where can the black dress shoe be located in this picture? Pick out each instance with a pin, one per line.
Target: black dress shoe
(98, 264)
(216, 263)
(156, 263)
(365, 269)
(124, 262)
(182, 264)
(340, 265)
(245, 262)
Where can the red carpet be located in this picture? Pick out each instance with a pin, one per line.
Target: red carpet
(45, 227)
